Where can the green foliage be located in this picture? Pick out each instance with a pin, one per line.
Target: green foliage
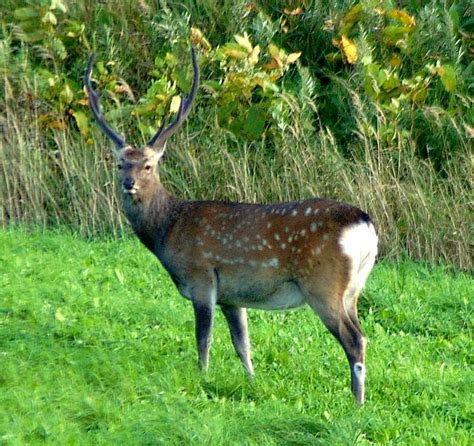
(38, 43)
(97, 347)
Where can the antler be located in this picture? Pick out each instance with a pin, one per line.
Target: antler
(163, 133)
(95, 107)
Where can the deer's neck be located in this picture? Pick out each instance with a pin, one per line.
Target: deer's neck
(151, 216)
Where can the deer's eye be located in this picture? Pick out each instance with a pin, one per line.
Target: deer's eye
(148, 168)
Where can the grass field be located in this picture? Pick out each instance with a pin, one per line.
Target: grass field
(97, 347)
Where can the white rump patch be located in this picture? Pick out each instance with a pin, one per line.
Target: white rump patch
(359, 244)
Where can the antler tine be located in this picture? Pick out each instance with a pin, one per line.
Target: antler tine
(95, 107)
(184, 109)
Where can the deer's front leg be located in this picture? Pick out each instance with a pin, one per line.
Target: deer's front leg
(204, 302)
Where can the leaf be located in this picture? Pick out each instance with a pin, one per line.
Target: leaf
(56, 124)
(274, 51)
(293, 12)
(58, 4)
(402, 17)
(25, 14)
(454, 17)
(120, 113)
(211, 85)
(350, 18)
(170, 60)
(276, 54)
(332, 57)
(293, 57)
(244, 42)
(35, 36)
(395, 61)
(349, 49)
(265, 83)
(198, 39)
(447, 75)
(49, 17)
(234, 50)
(175, 103)
(390, 83)
(81, 121)
(254, 123)
(66, 95)
(273, 65)
(253, 56)
(392, 34)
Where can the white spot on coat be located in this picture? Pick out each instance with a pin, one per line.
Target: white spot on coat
(274, 262)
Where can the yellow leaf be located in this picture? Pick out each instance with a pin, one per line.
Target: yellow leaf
(66, 95)
(56, 124)
(296, 11)
(58, 4)
(402, 16)
(49, 17)
(273, 64)
(293, 57)
(260, 82)
(198, 39)
(274, 51)
(349, 49)
(175, 103)
(253, 56)
(233, 50)
(244, 42)
(447, 75)
(395, 61)
(81, 121)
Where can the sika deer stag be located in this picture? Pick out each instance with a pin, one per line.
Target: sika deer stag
(239, 255)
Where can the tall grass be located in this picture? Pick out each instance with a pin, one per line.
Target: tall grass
(417, 212)
(71, 185)
(410, 169)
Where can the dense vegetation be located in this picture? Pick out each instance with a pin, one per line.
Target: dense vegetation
(368, 102)
(98, 348)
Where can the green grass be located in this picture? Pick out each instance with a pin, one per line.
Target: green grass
(97, 347)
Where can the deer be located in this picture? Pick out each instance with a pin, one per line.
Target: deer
(237, 255)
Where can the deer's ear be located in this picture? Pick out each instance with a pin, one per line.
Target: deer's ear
(155, 154)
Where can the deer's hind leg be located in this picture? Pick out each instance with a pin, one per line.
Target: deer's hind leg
(237, 320)
(329, 302)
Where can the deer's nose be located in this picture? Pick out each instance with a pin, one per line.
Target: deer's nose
(128, 183)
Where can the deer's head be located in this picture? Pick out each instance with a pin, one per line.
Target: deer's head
(137, 170)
